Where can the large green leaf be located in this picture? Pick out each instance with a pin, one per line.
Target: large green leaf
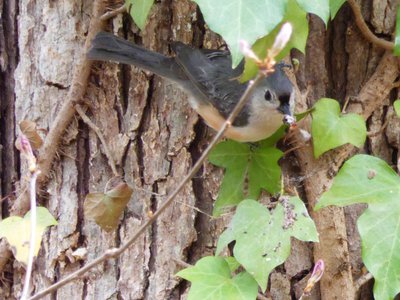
(317, 7)
(396, 105)
(335, 5)
(257, 163)
(212, 280)
(368, 179)
(17, 231)
(263, 237)
(237, 20)
(139, 10)
(330, 129)
(297, 17)
(396, 49)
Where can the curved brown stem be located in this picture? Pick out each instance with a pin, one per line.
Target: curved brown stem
(368, 34)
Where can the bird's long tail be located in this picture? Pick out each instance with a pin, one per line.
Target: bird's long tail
(108, 47)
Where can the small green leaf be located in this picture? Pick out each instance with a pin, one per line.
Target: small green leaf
(107, 208)
(335, 5)
(264, 171)
(17, 231)
(330, 129)
(257, 163)
(237, 20)
(368, 179)
(139, 10)
(317, 7)
(232, 263)
(263, 237)
(211, 279)
(297, 17)
(396, 106)
(234, 157)
(396, 49)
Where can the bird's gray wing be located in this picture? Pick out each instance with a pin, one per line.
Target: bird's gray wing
(211, 74)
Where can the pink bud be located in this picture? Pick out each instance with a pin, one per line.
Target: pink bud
(316, 275)
(281, 40)
(24, 146)
(318, 271)
(245, 48)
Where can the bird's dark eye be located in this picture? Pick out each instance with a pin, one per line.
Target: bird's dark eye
(268, 96)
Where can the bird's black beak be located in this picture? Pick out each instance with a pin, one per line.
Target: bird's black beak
(284, 108)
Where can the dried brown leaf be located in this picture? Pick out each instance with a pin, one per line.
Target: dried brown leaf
(106, 208)
(28, 128)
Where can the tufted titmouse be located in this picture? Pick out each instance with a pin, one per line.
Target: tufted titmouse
(213, 86)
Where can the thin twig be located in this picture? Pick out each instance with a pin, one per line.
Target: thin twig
(32, 242)
(346, 103)
(262, 297)
(112, 13)
(375, 133)
(115, 252)
(195, 208)
(96, 129)
(361, 281)
(396, 84)
(368, 34)
(182, 263)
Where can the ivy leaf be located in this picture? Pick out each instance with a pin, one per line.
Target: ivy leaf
(232, 263)
(139, 10)
(335, 5)
(257, 163)
(211, 279)
(396, 49)
(368, 179)
(237, 20)
(317, 7)
(263, 237)
(297, 17)
(106, 208)
(396, 105)
(264, 171)
(17, 231)
(330, 129)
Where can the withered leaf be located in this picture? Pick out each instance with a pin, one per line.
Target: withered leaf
(106, 208)
(28, 128)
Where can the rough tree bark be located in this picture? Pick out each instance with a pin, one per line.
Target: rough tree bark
(155, 137)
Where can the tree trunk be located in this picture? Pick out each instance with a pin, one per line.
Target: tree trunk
(155, 137)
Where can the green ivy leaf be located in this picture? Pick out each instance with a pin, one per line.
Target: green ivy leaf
(335, 5)
(232, 263)
(317, 7)
(257, 163)
(263, 237)
(396, 105)
(297, 17)
(330, 129)
(139, 10)
(368, 179)
(211, 279)
(17, 231)
(237, 20)
(396, 49)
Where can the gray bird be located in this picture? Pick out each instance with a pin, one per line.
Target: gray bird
(212, 85)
